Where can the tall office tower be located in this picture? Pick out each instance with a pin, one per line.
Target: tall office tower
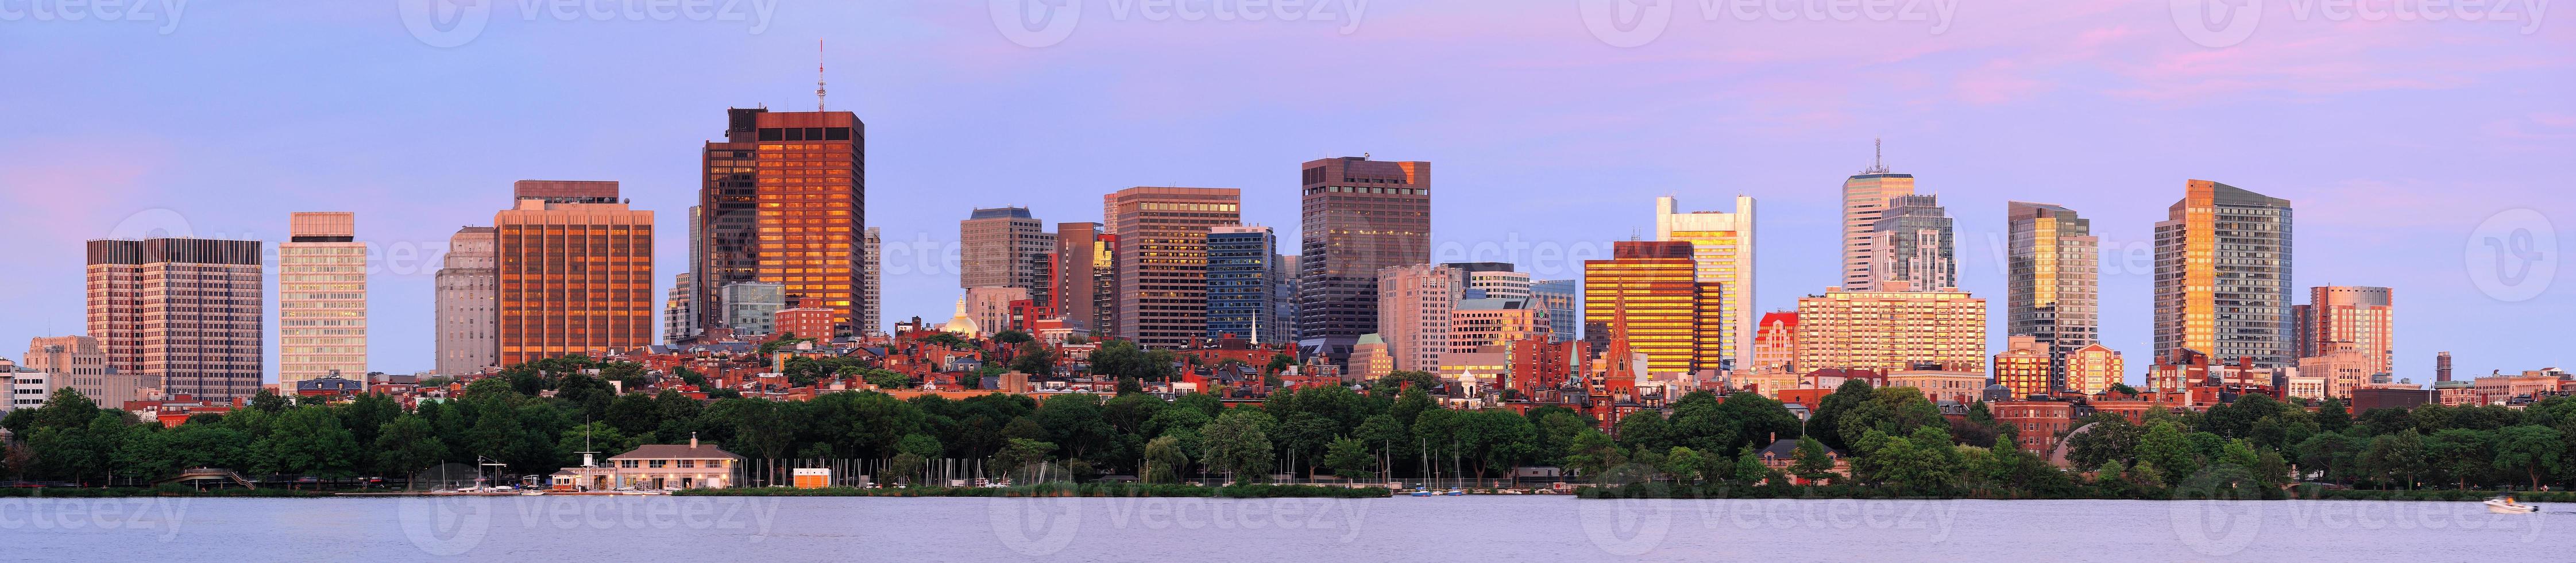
(1162, 291)
(1360, 216)
(2092, 369)
(1106, 260)
(1078, 250)
(469, 292)
(184, 313)
(1563, 300)
(751, 308)
(1653, 288)
(1776, 346)
(1722, 245)
(575, 278)
(1891, 330)
(2223, 274)
(2339, 317)
(2023, 367)
(321, 299)
(1283, 299)
(2053, 281)
(78, 362)
(1913, 246)
(1865, 195)
(679, 313)
(1240, 283)
(1413, 313)
(1491, 280)
(785, 202)
(1495, 321)
(999, 247)
(872, 289)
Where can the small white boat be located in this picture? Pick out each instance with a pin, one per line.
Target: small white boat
(2506, 505)
(1454, 493)
(1422, 493)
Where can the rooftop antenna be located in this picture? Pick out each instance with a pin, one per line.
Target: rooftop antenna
(818, 75)
(1877, 156)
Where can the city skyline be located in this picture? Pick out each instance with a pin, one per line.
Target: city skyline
(2360, 189)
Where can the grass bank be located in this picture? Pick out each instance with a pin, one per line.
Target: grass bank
(162, 491)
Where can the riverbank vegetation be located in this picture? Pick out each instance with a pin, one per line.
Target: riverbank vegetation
(1102, 490)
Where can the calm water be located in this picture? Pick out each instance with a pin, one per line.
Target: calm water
(1556, 529)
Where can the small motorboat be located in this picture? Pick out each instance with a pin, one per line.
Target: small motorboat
(2506, 505)
(1422, 493)
(1454, 493)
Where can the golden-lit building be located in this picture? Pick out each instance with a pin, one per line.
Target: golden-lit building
(2223, 276)
(2092, 370)
(1162, 271)
(321, 299)
(2023, 367)
(1370, 359)
(1891, 330)
(1865, 197)
(1476, 323)
(1776, 347)
(575, 278)
(784, 202)
(2053, 275)
(1722, 246)
(1651, 289)
(1942, 385)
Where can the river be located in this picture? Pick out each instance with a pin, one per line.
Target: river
(1495, 528)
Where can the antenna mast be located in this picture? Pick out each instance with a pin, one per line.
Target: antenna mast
(1877, 156)
(818, 75)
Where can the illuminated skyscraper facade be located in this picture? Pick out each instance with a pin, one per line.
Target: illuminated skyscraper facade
(784, 202)
(2223, 275)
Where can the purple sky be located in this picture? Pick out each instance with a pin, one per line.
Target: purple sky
(2397, 138)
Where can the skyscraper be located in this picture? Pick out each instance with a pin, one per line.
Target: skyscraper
(1652, 292)
(469, 293)
(1491, 280)
(1241, 276)
(679, 309)
(1360, 216)
(784, 202)
(1079, 252)
(2223, 274)
(1865, 195)
(872, 288)
(2340, 317)
(1414, 305)
(1892, 330)
(1722, 246)
(1912, 246)
(1563, 300)
(185, 313)
(321, 299)
(2052, 281)
(1162, 290)
(574, 278)
(999, 248)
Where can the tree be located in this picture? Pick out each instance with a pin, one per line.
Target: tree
(1814, 463)
(1279, 363)
(2461, 453)
(1349, 458)
(1034, 359)
(1021, 454)
(1898, 411)
(2165, 447)
(1238, 442)
(1013, 337)
(1749, 470)
(407, 445)
(309, 441)
(2530, 449)
(1824, 424)
(1683, 464)
(1592, 453)
(1164, 460)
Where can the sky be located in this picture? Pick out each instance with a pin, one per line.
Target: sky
(2419, 143)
